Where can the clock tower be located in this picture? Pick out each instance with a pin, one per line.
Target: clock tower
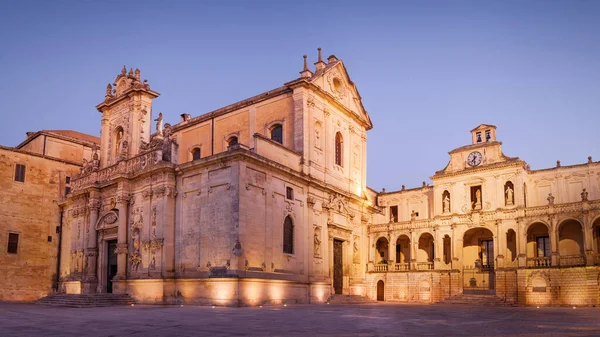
(483, 151)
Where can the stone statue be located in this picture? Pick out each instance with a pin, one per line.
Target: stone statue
(318, 136)
(109, 91)
(478, 199)
(413, 215)
(119, 140)
(355, 256)
(392, 217)
(509, 195)
(584, 195)
(550, 199)
(124, 146)
(446, 204)
(159, 124)
(317, 239)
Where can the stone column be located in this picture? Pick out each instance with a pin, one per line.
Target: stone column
(501, 241)
(330, 250)
(121, 250)
(413, 251)
(91, 251)
(391, 251)
(521, 243)
(555, 255)
(438, 249)
(588, 240)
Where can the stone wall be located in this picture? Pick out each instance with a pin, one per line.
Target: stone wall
(31, 212)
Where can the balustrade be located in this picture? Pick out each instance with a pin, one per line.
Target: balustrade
(401, 267)
(539, 262)
(572, 260)
(424, 265)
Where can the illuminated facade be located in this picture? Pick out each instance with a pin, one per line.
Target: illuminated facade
(262, 201)
(265, 201)
(491, 225)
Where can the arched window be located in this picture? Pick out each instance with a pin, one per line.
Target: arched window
(339, 142)
(277, 133)
(233, 140)
(288, 235)
(196, 153)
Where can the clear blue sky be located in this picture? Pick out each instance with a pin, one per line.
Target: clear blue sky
(428, 71)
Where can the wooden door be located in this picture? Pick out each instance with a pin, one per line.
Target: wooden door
(380, 291)
(338, 274)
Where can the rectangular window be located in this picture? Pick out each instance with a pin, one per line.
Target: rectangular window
(67, 190)
(543, 246)
(13, 243)
(289, 193)
(67, 180)
(394, 213)
(20, 173)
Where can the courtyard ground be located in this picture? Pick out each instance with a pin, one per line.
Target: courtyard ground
(298, 320)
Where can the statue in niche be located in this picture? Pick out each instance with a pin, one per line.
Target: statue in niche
(392, 217)
(159, 124)
(355, 257)
(318, 136)
(446, 203)
(584, 195)
(119, 140)
(550, 199)
(509, 195)
(317, 241)
(124, 147)
(413, 215)
(477, 204)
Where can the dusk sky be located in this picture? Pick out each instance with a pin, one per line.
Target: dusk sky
(428, 71)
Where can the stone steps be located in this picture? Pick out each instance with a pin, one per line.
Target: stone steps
(86, 300)
(349, 299)
(475, 300)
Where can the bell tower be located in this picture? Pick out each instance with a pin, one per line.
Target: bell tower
(126, 117)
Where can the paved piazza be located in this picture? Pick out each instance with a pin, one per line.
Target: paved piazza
(298, 320)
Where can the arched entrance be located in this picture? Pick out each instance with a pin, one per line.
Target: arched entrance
(425, 253)
(380, 291)
(570, 243)
(478, 260)
(402, 253)
(538, 246)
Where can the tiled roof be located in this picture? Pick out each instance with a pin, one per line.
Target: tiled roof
(74, 134)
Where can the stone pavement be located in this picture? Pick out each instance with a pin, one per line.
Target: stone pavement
(298, 320)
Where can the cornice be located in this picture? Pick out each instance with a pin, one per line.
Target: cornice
(479, 169)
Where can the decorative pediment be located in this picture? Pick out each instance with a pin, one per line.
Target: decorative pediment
(339, 204)
(334, 80)
(108, 220)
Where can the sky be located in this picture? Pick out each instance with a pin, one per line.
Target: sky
(427, 71)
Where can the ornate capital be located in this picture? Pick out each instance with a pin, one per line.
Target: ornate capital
(94, 205)
(122, 199)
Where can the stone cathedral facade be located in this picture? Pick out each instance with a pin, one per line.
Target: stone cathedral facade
(265, 201)
(262, 201)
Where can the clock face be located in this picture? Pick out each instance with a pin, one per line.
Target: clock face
(474, 158)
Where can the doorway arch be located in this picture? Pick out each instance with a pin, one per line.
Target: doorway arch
(380, 291)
